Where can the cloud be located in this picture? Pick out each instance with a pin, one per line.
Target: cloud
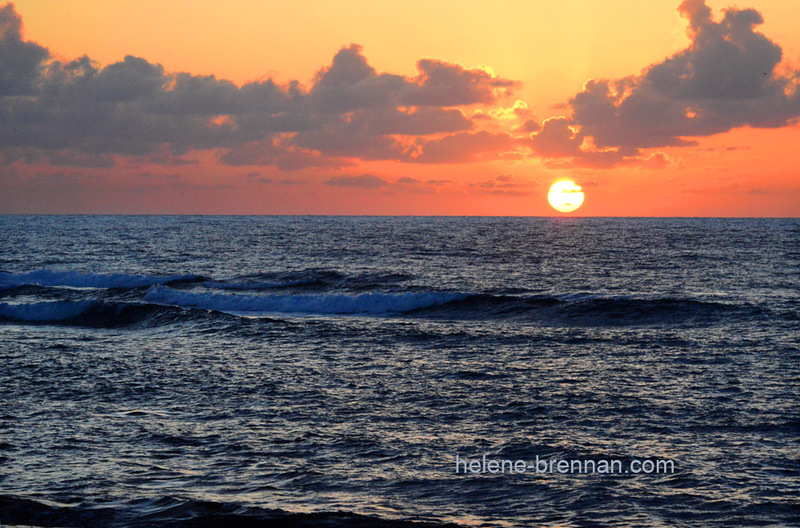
(445, 84)
(296, 159)
(422, 121)
(368, 134)
(366, 181)
(350, 83)
(726, 78)
(80, 114)
(70, 159)
(464, 147)
(287, 181)
(270, 153)
(164, 156)
(504, 184)
(19, 60)
(657, 160)
(343, 139)
(519, 110)
(556, 139)
(84, 111)
(254, 153)
(529, 126)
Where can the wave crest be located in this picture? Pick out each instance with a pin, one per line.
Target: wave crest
(331, 304)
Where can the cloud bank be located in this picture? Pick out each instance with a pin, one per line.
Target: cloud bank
(81, 113)
(728, 77)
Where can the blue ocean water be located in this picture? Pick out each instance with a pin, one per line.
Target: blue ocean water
(307, 371)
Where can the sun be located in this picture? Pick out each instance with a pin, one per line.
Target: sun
(565, 196)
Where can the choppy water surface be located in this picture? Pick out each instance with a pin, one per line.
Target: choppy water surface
(176, 371)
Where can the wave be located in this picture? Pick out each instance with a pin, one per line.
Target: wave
(170, 512)
(585, 310)
(312, 279)
(568, 309)
(74, 279)
(163, 305)
(306, 279)
(627, 310)
(323, 292)
(329, 304)
(93, 313)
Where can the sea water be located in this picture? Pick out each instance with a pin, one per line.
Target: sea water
(204, 371)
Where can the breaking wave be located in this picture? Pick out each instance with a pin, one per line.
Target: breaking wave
(332, 304)
(123, 299)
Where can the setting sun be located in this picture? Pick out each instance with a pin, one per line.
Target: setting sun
(565, 196)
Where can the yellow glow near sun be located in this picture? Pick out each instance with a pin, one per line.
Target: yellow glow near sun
(565, 196)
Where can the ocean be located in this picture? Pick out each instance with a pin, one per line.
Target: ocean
(208, 371)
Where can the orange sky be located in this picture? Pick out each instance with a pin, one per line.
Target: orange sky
(716, 141)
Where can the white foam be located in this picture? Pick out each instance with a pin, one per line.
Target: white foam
(367, 303)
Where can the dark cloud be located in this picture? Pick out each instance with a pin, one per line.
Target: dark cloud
(368, 134)
(350, 83)
(70, 159)
(297, 159)
(366, 181)
(56, 158)
(83, 111)
(463, 147)
(422, 121)
(529, 126)
(406, 179)
(503, 184)
(556, 139)
(343, 139)
(269, 153)
(726, 78)
(444, 84)
(20, 61)
(164, 156)
(255, 153)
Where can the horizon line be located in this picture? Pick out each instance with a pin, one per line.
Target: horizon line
(299, 215)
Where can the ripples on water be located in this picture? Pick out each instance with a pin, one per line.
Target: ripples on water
(203, 371)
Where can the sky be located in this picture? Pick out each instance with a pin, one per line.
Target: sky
(451, 107)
